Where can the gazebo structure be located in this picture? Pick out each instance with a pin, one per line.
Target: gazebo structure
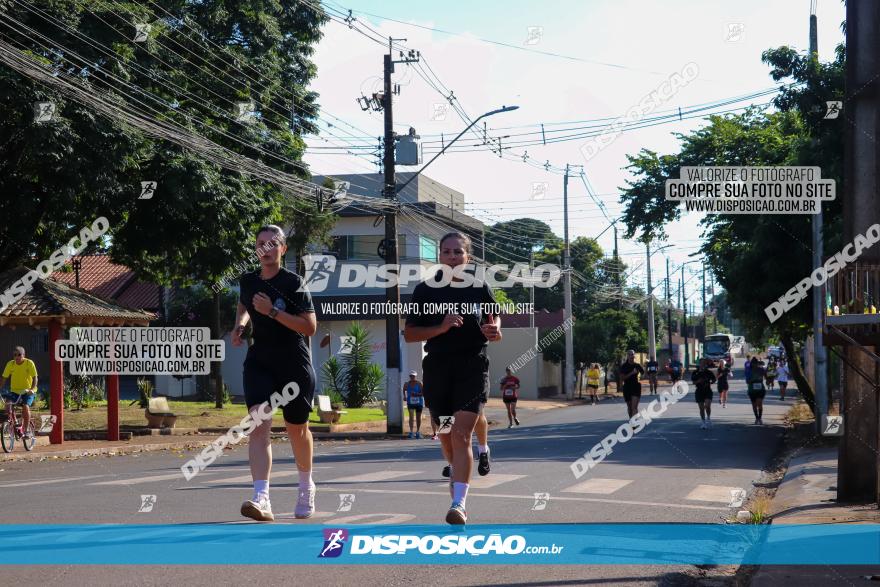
(55, 306)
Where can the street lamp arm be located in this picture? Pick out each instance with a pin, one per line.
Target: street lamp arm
(449, 144)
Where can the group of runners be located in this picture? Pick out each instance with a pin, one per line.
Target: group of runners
(758, 376)
(455, 370)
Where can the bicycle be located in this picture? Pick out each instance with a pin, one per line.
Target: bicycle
(11, 431)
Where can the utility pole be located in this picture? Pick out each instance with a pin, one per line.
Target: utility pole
(619, 274)
(704, 303)
(668, 311)
(531, 289)
(857, 473)
(566, 271)
(684, 306)
(652, 339)
(820, 359)
(392, 294)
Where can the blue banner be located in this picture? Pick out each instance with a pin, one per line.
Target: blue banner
(569, 544)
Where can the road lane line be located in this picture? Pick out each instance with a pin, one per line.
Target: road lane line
(532, 498)
(246, 478)
(374, 477)
(49, 481)
(136, 480)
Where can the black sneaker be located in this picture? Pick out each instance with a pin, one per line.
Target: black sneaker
(446, 471)
(516, 421)
(483, 467)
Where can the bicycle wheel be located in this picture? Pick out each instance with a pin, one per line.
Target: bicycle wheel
(30, 442)
(7, 436)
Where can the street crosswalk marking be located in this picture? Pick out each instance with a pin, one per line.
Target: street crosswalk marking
(598, 485)
(137, 480)
(374, 477)
(714, 493)
(492, 480)
(49, 481)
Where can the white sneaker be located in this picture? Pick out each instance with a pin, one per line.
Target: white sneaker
(259, 509)
(305, 505)
(703, 425)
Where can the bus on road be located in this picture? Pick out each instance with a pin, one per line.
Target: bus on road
(717, 347)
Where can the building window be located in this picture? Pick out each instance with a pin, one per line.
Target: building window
(427, 248)
(363, 247)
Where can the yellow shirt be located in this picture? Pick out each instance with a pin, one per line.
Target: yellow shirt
(593, 376)
(22, 376)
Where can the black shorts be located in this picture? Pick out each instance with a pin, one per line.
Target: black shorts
(268, 373)
(631, 393)
(417, 409)
(723, 386)
(455, 383)
(757, 393)
(702, 395)
(509, 400)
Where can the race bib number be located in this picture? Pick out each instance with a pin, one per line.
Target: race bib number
(652, 369)
(509, 392)
(757, 386)
(446, 423)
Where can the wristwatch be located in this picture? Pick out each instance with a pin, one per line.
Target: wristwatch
(273, 312)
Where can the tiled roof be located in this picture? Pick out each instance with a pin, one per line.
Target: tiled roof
(139, 295)
(97, 275)
(52, 298)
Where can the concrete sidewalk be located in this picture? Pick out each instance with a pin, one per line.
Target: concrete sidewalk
(807, 495)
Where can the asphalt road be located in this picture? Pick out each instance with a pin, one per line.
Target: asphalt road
(671, 472)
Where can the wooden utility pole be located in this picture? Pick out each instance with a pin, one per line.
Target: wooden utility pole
(858, 465)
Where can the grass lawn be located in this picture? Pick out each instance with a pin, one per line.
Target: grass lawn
(191, 414)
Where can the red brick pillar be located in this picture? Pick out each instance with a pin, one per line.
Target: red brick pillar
(112, 407)
(56, 384)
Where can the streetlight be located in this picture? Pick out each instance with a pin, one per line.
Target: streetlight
(449, 144)
(652, 337)
(684, 303)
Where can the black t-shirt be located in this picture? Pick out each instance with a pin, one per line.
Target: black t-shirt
(652, 367)
(633, 383)
(464, 339)
(723, 374)
(270, 336)
(703, 379)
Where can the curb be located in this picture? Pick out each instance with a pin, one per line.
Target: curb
(103, 450)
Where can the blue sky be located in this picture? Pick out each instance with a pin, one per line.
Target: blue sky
(645, 41)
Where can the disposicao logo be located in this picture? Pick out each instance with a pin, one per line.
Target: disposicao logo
(334, 541)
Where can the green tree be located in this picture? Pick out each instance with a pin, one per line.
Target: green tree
(200, 60)
(756, 258)
(362, 379)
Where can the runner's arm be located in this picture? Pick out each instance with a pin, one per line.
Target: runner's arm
(413, 333)
(305, 323)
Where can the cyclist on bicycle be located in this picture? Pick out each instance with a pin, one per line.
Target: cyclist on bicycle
(22, 374)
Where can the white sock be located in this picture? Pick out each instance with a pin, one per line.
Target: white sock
(483, 447)
(261, 488)
(459, 492)
(305, 479)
